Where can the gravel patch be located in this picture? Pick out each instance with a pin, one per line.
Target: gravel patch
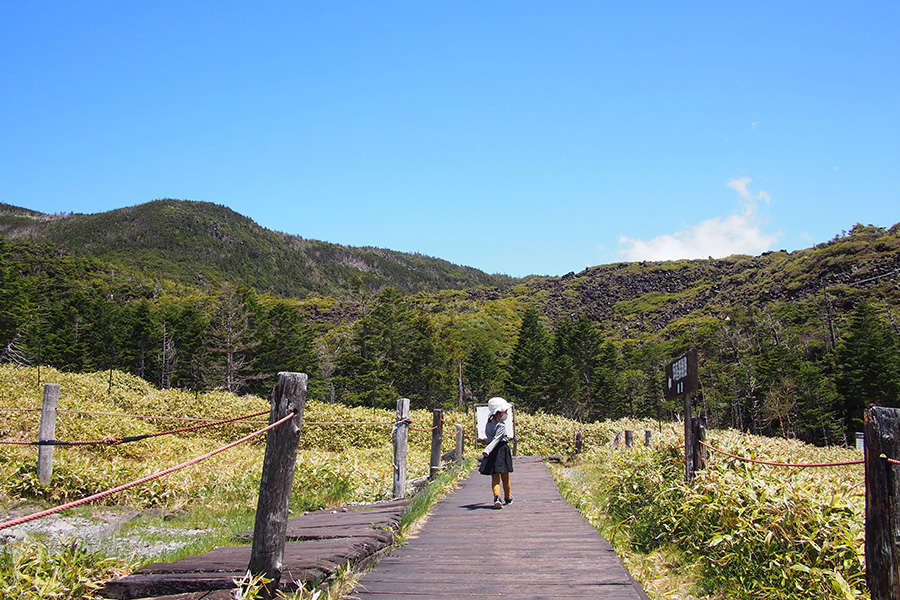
(100, 528)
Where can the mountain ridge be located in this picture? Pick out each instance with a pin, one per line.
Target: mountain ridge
(199, 243)
(196, 242)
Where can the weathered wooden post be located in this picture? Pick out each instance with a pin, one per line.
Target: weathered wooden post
(688, 442)
(629, 438)
(47, 432)
(647, 437)
(401, 447)
(437, 439)
(698, 450)
(882, 503)
(267, 553)
(579, 442)
(460, 440)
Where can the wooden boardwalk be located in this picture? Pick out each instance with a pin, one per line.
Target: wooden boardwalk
(318, 545)
(537, 547)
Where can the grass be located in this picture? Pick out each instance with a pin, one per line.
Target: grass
(738, 530)
(335, 465)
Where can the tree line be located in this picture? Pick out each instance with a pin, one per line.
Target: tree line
(793, 369)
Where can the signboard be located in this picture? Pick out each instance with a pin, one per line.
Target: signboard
(481, 418)
(681, 375)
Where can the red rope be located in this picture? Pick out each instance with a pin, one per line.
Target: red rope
(348, 422)
(893, 461)
(780, 464)
(123, 487)
(148, 417)
(112, 441)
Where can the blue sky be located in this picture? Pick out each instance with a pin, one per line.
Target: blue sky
(519, 138)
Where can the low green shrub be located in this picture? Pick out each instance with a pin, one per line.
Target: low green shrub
(751, 531)
(33, 571)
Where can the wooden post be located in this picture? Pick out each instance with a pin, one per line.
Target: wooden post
(629, 438)
(688, 445)
(882, 503)
(289, 396)
(460, 439)
(647, 437)
(698, 450)
(47, 432)
(579, 442)
(401, 447)
(461, 400)
(617, 438)
(437, 439)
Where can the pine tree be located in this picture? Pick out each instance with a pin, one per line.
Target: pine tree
(482, 371)
(527, 372)
(867, 366)
(230, 341)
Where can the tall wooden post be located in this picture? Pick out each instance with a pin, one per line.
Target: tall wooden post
(688, 442)
(401, 447)
(629, 438)
(648, 435)
(461, 400)
(437, 439)
(267, 553)
(579, 442)
(460, 440)
(47, 432)
(882, 503)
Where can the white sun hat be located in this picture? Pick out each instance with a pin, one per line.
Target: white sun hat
(497, 404)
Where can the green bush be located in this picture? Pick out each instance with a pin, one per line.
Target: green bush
(751, 531)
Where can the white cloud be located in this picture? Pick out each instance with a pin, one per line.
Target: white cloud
(740, 233)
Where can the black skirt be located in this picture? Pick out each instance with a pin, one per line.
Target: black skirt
(498, 461)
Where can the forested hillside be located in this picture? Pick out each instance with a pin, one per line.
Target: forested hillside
(792, 344)
(195, 243)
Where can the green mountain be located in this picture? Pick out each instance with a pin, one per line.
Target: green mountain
(646, 297)
(197, 243)
(193, 295)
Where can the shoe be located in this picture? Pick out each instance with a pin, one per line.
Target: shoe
(497, 504)
(508, 500)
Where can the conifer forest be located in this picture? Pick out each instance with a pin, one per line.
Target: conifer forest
(193, 296)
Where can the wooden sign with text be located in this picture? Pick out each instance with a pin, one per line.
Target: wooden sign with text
(681, 375)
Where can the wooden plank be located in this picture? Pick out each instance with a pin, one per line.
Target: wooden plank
(330, 540)
(383, 516)
(214, 595)
(546, 549)
(296, 555)
(302, 562)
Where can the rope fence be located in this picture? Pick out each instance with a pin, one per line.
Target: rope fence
(784, 464)
(142, 480)
(112, 441)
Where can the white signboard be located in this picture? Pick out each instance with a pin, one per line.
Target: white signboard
(481, 419)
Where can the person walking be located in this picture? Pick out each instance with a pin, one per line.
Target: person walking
(496, 457)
